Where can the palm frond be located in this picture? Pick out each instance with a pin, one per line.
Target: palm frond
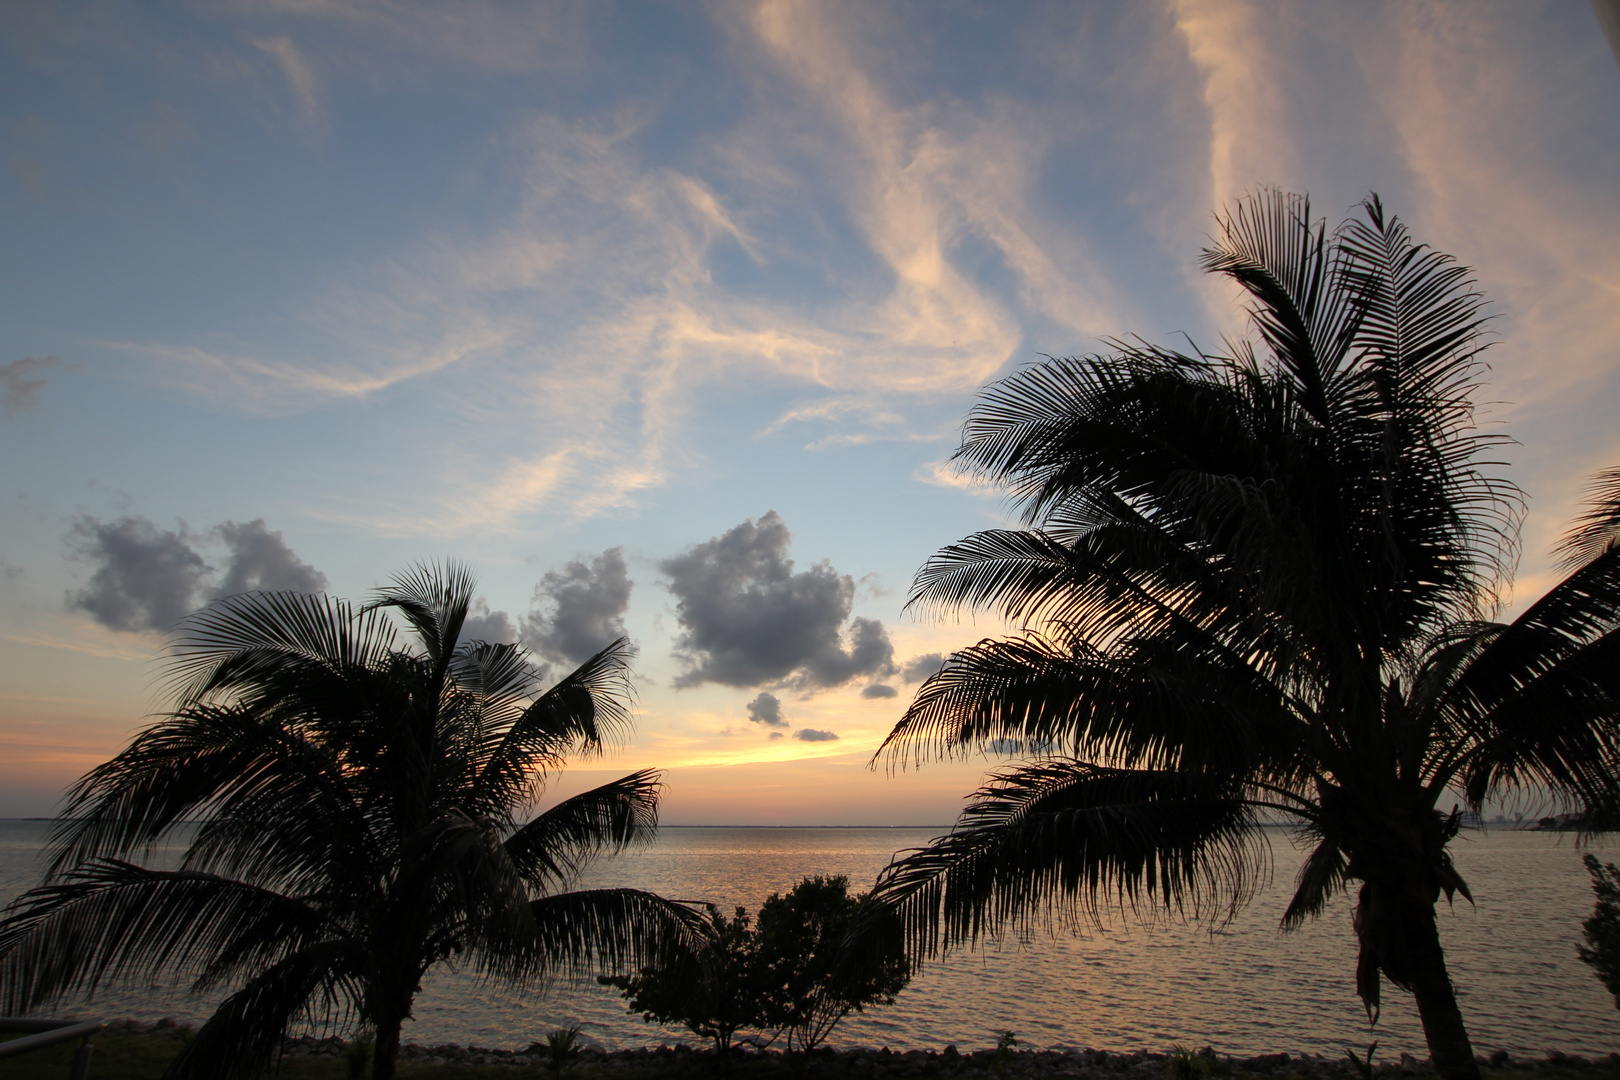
(1597, 530)
(584, 711)
(322, 985)
(107, 919)
(207, 761)
(1074, 839)
(556, 846)
(457, 868)
(596, 929)
(500, 678)
(490, 688)
(1161, 701)
(1418, 346)
(1536, 702)
(238, 643)
(434, 600)
(1320, 876)
(1270, 245)
(1020, 572)
(1061, 431)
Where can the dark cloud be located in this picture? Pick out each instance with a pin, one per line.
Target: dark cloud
(22, 380)
(749, 620)
(482, 624)
(767, 710)
(877, 690)
(145, 579)
(919, 668)
(579, 609)
(777, 735)
(810, 734)
(260, 559)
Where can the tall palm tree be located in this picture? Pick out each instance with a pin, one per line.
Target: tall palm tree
(359, 811)
(1259, 585)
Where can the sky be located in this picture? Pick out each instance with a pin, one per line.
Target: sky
(664, 317)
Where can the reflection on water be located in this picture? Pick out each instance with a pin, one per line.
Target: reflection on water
(1244, 989)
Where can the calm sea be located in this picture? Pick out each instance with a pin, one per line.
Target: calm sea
(1244, 989)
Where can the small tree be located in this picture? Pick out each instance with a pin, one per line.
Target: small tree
(1602, 928)
(711, 990)
(815, 969)
(359, 788)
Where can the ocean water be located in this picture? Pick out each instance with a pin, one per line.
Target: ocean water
(1243, 988)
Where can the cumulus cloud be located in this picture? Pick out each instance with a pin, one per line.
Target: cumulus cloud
(810, 734)
(22, 380)
(919, 668)
(879, 690)
(145, 579)
(482, 624)
(579, 609)
(766, 709)
(261, 559)
(148, 578)
(748, 619)
(777, 735)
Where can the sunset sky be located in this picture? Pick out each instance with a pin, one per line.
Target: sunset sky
(666, 316)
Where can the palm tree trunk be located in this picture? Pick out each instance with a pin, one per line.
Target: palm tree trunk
(1449, 1048)
(385, 1056)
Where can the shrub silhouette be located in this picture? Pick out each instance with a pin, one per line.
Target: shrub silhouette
(1602, 928)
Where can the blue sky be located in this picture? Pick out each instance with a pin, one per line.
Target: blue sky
(629, 306)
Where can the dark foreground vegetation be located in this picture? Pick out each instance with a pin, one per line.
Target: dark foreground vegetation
(368, 812)
(137, 1054)
(786, 981)
(1254, 586)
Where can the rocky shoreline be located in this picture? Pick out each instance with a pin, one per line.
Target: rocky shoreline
(1087, 1064)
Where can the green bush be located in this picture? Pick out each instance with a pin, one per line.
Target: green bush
(814, 956)
(562, 1048)
(1185, 1064)
(711, 991)
(821, 957)
(1602, 927)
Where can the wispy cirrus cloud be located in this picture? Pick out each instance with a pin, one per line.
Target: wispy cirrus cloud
(1252, 134)
(1480, 126)
(860, 253)
(947, 475)
(606, 300)
(1464, 116)
(300, 76)
(484, 36)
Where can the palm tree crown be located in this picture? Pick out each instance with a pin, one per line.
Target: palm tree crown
(359, 809)
(1257, 584)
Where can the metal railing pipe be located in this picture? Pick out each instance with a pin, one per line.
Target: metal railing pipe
(49, 1033)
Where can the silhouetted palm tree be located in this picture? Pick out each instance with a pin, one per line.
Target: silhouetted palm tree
(1258, 585)
(359, 814)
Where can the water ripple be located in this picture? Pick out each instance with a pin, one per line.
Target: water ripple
(1245, 988)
